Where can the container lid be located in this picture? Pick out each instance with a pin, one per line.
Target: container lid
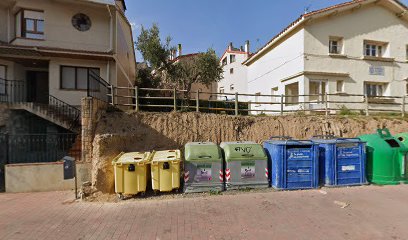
(166, 156)
(243, 151)
(338, 140)
(132, 157)
(202, 151)
(290, 142)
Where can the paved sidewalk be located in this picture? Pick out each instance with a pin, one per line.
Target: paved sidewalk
(373, 213)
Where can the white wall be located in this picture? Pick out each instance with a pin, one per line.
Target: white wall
(238, 78)
(284, 60)
(371, 22)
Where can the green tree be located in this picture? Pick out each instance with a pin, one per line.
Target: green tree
(154, 52)
(202, 68)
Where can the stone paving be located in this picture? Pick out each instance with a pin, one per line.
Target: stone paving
(368, 212)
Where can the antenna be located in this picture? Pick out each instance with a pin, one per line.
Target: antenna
(307, 8)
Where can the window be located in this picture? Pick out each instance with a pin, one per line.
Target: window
(335, 45)
(274, 92)
(76, 78)
(292, 93)
(318, 89)
(30, 24)
(406, 88)
(3, 72)
(232, 58)
(406, 52)
(224, 61)
(340, 86)
(232, 87)
(374, 49)
(222, 90)
(374, 89)
(231, 71)
(257, 99)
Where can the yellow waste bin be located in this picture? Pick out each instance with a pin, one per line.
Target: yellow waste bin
(165, 170)
(130, 171)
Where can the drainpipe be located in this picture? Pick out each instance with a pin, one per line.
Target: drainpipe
(8, 25)
(110, 29)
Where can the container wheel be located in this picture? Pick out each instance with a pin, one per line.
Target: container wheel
(156, 192)
(177, 190)
(120, 196)
(142, 194)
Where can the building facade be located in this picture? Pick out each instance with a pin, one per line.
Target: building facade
(358, 47)
(52, 46)
(235, 74)
(52, 54)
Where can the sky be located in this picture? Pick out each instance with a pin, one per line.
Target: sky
(202, 24)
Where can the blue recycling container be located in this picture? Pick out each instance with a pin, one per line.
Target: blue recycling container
(342, 161)
(294, 164)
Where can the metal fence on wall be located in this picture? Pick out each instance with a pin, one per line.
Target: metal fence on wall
(152, 99)
(38, 148)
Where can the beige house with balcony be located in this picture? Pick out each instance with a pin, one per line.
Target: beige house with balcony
(53, 46)
(358, 47)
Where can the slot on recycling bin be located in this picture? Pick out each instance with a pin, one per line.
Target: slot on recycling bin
(203, 167)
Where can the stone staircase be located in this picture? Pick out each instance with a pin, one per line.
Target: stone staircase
(56, 111)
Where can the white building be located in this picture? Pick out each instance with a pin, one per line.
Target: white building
(235, 74)
(358, 47)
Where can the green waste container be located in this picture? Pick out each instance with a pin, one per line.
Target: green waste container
(246, 165)
(202, 167)
(386, 158)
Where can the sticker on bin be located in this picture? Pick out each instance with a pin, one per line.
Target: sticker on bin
(348, 168)
(299, 154)
(348, 151)
(203, 172)
(248, 170)
(299, 170)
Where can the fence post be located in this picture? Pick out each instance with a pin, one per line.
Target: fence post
(198, 101)
(326, 104)
(6, 141)
(366, 104)
(236, 104)
(175, 99)
(136, 98)
(281, 105)
(112, 95)
(403, 106)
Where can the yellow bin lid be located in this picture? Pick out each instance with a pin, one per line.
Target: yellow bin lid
(132, 158)
(166, 156)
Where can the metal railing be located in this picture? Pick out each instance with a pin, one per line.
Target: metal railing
(38, 148)
(64, 112)
(98, 88)
(13, 91)
(151, 99)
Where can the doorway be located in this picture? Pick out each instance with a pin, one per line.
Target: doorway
(37, 86)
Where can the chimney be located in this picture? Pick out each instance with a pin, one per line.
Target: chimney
(247, 46)
(180, 52)
(241, 48)
(230, 46)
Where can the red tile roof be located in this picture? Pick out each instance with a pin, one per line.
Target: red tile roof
(306, 15)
